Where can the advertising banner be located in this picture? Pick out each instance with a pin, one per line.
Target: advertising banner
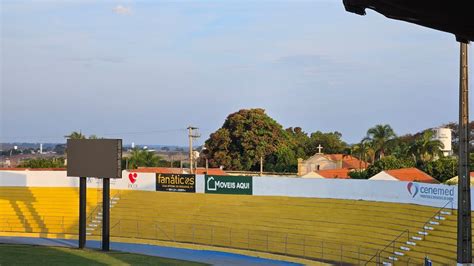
(176, 183)
(229, 184)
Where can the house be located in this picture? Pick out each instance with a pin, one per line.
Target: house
(405, 174)
(322, 161)
(342, 173)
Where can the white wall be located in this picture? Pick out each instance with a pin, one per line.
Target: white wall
(386, 191)
(144, 181)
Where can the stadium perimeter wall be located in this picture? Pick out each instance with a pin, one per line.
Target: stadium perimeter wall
(434, 195)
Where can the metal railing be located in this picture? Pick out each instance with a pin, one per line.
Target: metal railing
(98, 207)
(289, 244)
(29, 224)
(435, 216)
(296, 245)
(388, 252)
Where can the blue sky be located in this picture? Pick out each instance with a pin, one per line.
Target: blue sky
(145, 70)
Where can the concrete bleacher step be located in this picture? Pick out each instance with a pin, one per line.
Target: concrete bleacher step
(428, 228)
(405, 248)
(90, 229)
(398, 253)
(440, 218)
(423, 233)
(92, 225)
(445, 213)
(416, 238)
(387, 263)
(434, 223)
(393, 258)
(411, 243)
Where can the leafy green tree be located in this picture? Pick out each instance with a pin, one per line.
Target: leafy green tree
(143, 158)
(60, 149)
(380, 135)
(298, 141)
(442, 169)
(359, 174)
(331, 143)
(387, 163)
(283, 160)
(43, 163)
(400, 146)
(244, 137)
(425, 148)
(218, 149)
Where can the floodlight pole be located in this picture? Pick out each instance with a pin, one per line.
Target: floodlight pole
(464, 245)
(82, 211)
(106, 214)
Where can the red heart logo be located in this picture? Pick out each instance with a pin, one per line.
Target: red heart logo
(132, 177)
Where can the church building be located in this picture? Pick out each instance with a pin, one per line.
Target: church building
(321, 161)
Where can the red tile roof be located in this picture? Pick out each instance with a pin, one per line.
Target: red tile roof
(334, 173)
(161, 170)
(411, 174)
(348, 161)
(168, 170)
(31, 169)
(211, 171)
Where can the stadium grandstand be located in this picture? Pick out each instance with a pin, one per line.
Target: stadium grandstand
(320, 228)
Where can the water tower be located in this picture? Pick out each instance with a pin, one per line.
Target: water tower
(444, 135)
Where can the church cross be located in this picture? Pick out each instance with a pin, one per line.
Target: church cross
(319, 148)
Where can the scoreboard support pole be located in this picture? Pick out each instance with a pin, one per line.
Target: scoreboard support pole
(106, 215)
(82, 211)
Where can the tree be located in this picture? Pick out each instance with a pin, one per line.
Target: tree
(442, 169)
(298, 141)
(142, 158)
(244, 137)
(76, 135)
(331, 143)
(60, 149)
(425, 148)
(283, 160)
(387, 163)
(380, 135)
(363, 151)
(43, 163)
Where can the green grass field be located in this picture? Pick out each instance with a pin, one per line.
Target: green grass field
(41, 255)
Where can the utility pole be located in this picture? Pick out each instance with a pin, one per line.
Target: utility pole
(464, 245)
(192, 135)
(261, 165)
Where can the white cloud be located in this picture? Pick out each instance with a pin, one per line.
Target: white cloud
(122, 10)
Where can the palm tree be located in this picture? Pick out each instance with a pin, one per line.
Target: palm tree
(144, 158)
(76, 135)
(379, 136)
(363, 151)
(425, 148)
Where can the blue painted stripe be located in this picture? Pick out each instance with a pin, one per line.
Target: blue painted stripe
(204, 256)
